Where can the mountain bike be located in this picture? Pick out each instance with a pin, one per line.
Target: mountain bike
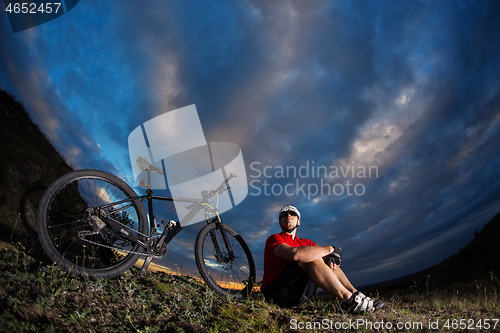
(92, 223)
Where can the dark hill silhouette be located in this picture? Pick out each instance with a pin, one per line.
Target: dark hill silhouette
(478, 261)
(28, 164)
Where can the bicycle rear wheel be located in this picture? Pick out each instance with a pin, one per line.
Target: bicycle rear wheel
(73, 235)
(231, 277)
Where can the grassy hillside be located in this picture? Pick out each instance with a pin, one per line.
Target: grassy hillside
(42, 298)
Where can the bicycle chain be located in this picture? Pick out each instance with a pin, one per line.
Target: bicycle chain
(84, 233)
(110, 247)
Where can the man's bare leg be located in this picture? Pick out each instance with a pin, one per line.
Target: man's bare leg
(344, 280)
(322, 276)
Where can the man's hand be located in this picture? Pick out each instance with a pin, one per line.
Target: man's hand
(334, 259)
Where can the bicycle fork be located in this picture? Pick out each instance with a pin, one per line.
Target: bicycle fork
(219, 254)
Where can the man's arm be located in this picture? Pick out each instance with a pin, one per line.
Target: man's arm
(302, 253)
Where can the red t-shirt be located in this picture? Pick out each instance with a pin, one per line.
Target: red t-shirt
(274, 265)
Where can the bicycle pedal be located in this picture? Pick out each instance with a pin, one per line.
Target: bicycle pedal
(146, 265)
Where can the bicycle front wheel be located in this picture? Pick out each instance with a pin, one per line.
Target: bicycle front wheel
(227, 276)
(73, 233)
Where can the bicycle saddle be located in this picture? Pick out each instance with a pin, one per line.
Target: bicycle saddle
(144, 165)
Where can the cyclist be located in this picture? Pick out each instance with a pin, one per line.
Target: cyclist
(295, 267)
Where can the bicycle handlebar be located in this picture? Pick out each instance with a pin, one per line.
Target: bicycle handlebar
(221, 189)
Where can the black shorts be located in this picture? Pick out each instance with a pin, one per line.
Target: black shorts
(293, 287)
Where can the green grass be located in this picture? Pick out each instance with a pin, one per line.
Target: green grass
(43, 298)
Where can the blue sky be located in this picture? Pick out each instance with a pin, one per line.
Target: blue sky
(409, 88)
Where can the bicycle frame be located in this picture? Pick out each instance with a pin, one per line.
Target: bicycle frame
(168, 234)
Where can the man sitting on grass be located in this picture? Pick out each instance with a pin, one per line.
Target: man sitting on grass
(295, 267)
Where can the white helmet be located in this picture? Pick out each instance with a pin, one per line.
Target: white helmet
(289, 208)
